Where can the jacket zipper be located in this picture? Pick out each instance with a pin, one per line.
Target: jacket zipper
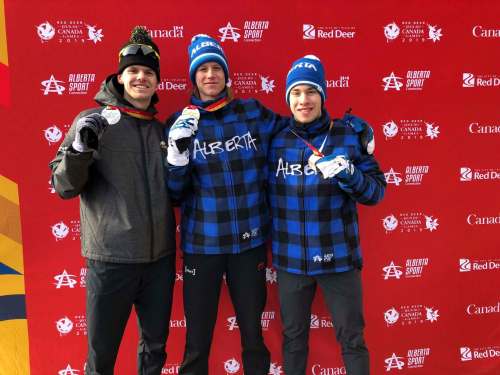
(148, 190)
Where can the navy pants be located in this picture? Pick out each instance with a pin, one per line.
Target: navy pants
(246, 280)
(343, 297)
(112, 290)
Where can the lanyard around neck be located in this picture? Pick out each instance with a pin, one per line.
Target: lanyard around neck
(311, 147)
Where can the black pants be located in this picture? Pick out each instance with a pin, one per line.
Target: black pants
(343, 297)
(246, 279)
(112, 290)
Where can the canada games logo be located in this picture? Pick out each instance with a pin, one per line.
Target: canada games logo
(74, 31)
(410, 222)
(410, 130)
(412, 32)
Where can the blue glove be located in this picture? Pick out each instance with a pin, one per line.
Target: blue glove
(336, 166)
(89, 130)
(364, 131)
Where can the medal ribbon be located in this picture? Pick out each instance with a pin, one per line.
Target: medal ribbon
(137, 113)
(219, 103)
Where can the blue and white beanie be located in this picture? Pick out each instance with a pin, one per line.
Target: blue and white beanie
(202, 49)
(307, 70)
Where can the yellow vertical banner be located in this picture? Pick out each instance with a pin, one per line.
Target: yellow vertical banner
(14, 343)
(4, 61)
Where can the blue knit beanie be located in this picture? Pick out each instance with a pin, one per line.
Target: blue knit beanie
(307, 70)
(202, 49)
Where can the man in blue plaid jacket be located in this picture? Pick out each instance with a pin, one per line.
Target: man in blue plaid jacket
(318, 172)
(220, 176)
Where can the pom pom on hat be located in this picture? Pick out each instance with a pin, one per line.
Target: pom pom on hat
(140, 50)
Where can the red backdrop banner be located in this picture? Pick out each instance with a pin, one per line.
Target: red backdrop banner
(425, 74)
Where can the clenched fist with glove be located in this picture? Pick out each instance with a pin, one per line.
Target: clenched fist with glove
(89, 130)
(333, 166)
(179, 136)
(364, 131)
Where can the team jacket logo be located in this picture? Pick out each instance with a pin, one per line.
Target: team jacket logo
(244, 142)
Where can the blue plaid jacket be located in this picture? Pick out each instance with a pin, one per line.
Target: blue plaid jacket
(315, 225)
(223, 189)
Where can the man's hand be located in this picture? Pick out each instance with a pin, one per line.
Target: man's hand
(336, 166)
(184, 128)
(180, 135)
(364, 131)
(89, 130)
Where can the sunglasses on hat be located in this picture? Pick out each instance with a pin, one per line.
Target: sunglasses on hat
(132, 49)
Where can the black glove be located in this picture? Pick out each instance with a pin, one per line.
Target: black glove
(89, 130)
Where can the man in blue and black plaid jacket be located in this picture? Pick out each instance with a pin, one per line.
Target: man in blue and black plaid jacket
(315, 234)
(220, 177)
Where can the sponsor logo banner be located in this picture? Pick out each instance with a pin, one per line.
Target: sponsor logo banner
(69, 31)
(413, 268)
(408, 32)
(413, 80)
(472, 265)
(410, 130)
(407, 222)
(311, 32)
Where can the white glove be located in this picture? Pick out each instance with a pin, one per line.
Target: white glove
(313, 159)
(338, 166)
(179, 136)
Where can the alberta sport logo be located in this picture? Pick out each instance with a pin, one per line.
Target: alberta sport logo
(412, 175)
(73, 84)
(409, 269)
(252, 31)
(413, 80)
(415, 358)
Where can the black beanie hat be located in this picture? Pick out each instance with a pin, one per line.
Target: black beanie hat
(140, 50)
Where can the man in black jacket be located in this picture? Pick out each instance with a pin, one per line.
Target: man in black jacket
(113, 158)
